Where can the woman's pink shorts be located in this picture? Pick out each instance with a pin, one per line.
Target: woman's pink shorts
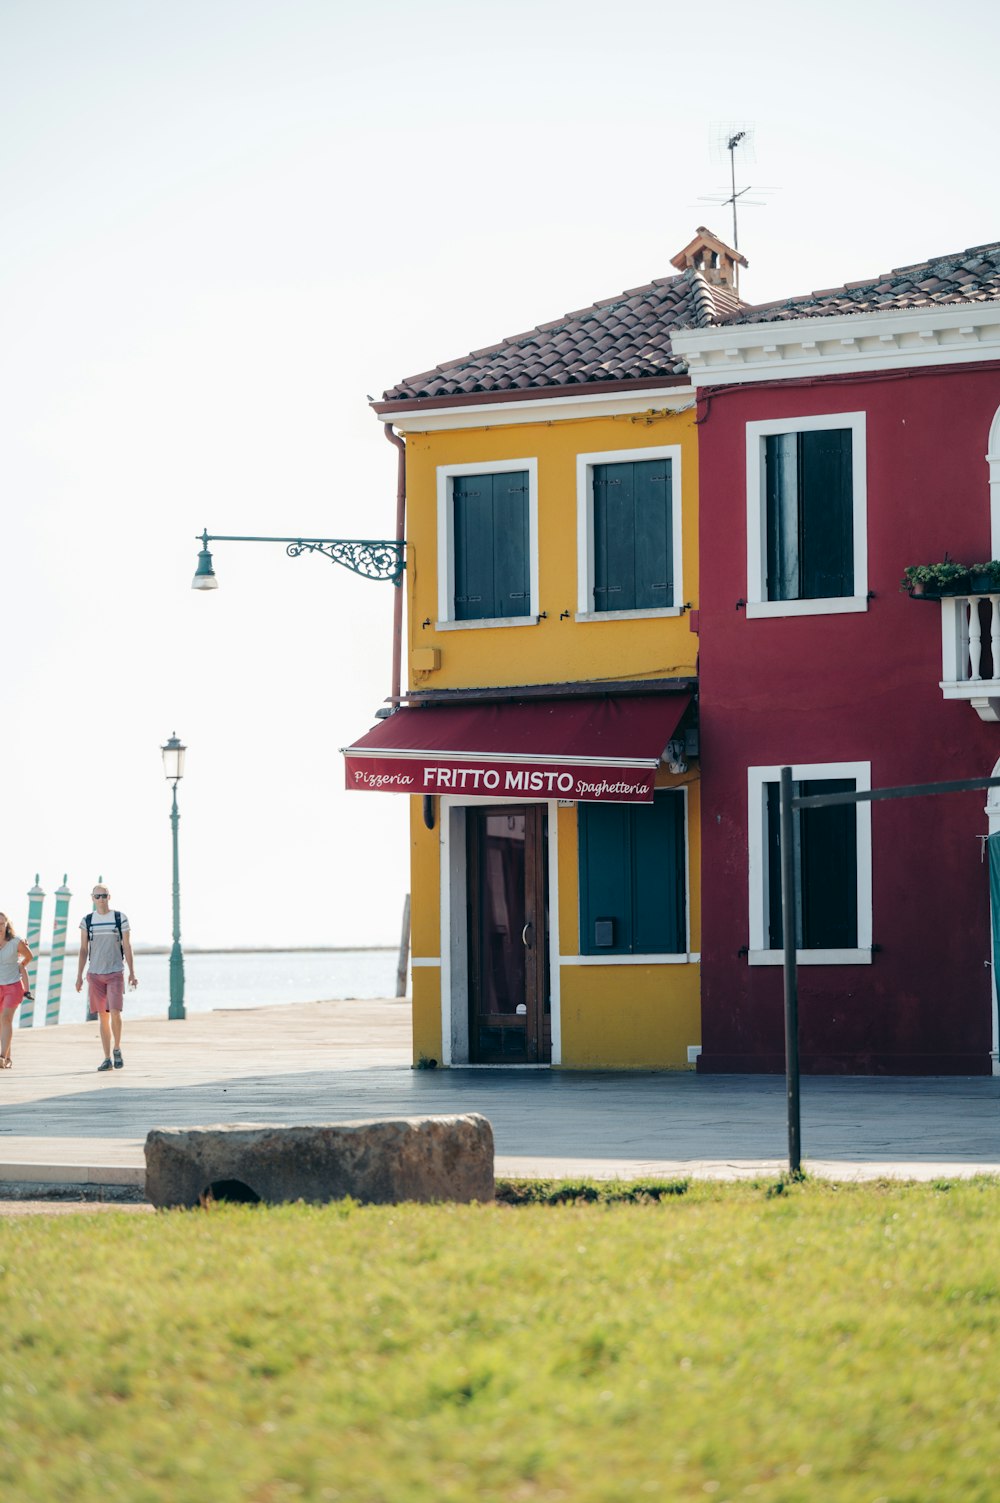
(10, 996)
(107, 992)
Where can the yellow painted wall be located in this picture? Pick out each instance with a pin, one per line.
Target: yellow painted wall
(628, 1016)
(425, 932)
(555, 650)
(624, 1016)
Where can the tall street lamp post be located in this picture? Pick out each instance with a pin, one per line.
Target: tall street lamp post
(173, 767)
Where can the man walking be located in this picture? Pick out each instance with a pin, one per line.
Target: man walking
(104, 937)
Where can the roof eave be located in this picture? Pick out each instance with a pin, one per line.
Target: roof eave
(878, 339)
(581, 389)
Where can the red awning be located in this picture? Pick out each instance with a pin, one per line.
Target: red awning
(595, 750)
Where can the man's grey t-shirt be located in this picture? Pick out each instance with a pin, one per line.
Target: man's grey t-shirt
(105, 951)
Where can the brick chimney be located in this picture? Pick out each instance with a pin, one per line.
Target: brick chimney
(718, 262)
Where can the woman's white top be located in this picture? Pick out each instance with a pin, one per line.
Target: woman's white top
(9, 972)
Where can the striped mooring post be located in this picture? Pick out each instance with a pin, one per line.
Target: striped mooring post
(88, 1015)
(62, 896)
(33, 939)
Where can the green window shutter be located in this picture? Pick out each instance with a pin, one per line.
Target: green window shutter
(472, 500)
(775, 927)
(614, 544)
(632, 875)
(511, 576)
(826, 857)
(492, 556)
(633, 535)
(605, 879)
(827, 514)
(658, 870)
(781, 490)
(654, 540)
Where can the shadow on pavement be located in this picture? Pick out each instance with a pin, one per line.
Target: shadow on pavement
(610, 1115)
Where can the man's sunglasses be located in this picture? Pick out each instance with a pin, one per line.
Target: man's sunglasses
(96, 895)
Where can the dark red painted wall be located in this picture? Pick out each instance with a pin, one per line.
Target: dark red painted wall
(856, 687)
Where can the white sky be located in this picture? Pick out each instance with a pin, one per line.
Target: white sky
(225, 223)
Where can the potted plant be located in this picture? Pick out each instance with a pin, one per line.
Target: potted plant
(931, 581)
(984, 579)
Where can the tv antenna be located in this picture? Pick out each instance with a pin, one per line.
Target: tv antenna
(730, 139)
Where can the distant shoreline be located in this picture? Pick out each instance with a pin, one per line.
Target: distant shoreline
(253, 950)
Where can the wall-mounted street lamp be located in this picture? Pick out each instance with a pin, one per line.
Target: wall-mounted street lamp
(372, 558)
(173, 768)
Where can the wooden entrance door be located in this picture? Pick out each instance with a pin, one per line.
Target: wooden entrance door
(510, 1018)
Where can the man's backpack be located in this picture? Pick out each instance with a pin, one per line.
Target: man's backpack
(89, 920)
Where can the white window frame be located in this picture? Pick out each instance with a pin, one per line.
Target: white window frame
(993, 461)
(757, 603)
(757, 780)
(585, 531)
(446, 543)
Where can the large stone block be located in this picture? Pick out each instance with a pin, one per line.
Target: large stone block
(378, 1162)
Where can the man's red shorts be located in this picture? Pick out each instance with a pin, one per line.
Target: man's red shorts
(107, 992)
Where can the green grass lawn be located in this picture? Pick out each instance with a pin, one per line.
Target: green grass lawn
(728, 1343)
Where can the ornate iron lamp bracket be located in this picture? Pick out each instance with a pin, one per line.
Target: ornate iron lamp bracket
(372, 558)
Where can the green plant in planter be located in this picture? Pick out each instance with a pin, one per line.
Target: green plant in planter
(984, 579)
(934, 580)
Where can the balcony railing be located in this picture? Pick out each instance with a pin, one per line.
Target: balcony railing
(970, 651)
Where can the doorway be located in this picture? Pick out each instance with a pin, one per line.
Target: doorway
(510, 1019)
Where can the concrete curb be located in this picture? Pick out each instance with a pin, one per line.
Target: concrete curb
(104, 1175)
(127, 1183)
(13, 1191)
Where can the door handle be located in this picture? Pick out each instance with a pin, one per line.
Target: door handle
(524, 934)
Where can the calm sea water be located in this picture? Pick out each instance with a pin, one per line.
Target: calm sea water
(215, 980)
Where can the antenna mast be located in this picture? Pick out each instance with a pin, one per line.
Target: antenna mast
(731, 144)
(727, 138)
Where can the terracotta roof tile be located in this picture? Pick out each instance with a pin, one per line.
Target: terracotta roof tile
(965, 276)
(626, 337)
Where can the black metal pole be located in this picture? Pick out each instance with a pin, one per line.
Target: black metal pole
(788, 930)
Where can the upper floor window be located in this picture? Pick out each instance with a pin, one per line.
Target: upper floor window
(806, 516)
(629, 533)
(487, 544)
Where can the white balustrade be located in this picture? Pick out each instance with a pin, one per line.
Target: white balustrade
(974, 633)
(962, 652)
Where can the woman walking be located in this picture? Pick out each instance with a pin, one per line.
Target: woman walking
(14, 954)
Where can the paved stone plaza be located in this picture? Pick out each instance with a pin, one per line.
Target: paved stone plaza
(61, 1122)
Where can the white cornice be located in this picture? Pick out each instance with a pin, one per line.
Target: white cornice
(540, 410)
(890, 339)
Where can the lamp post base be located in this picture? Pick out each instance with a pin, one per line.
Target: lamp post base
(176, 983)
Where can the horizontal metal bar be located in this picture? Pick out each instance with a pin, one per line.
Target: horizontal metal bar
(225, 537)
(911, 790)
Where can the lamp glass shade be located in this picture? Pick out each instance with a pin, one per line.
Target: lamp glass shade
(173, 759)
(204, 575)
